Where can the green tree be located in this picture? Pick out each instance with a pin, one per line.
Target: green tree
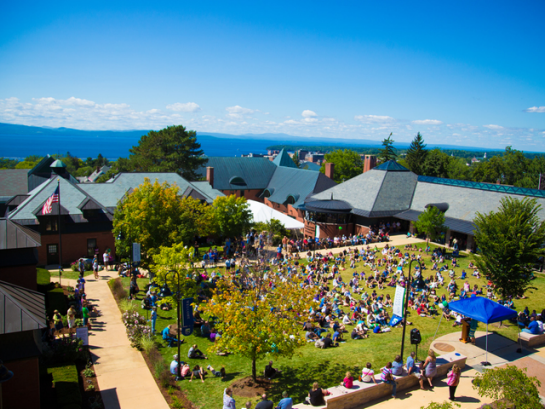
(457, 169)
(510, 241)
(170, 262)
(388, 152)
(273, 227)
(262, 319)
(347, 164)
(295, 159)
(431, 222)
(119, 166)
(509, 386)
(172, 149)
(416, 154)
(199, 219)
(233, 215)
(154, 215)
(436, 164)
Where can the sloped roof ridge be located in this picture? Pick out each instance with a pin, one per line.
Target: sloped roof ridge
(31, 194)
(283, 159)
(25, 308)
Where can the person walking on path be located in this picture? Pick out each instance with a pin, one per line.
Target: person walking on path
(95, 266)
(453, 379)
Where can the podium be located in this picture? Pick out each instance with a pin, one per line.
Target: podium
(465, 332)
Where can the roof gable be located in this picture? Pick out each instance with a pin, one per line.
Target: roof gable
(256, 172)
(283, 159)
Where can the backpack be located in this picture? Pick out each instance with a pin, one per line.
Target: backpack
(319, 344)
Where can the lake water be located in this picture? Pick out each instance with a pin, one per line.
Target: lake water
(20, 146)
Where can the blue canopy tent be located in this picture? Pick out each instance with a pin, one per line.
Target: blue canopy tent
(484, 310)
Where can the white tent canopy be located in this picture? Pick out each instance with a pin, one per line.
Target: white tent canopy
(263, 213)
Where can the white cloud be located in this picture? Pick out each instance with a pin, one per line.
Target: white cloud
(238, 110)
(184, 107)
(307, 113)
(539, 110)
(427, 122)
(494, 127)
(373, 118)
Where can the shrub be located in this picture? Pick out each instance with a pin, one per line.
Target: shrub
(127, 305)
(146, 344)
(117, 289)
(88, 373)
(66, 349)
(136, 327)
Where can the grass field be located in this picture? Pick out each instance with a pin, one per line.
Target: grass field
(327, 366)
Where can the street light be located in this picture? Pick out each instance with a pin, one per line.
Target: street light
(166, 290)
(407, 288)
(120, 237)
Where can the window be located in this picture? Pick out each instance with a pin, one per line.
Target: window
(51, 249)
(52, 224)
(91, 245)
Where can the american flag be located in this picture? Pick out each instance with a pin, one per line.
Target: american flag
(54, 198)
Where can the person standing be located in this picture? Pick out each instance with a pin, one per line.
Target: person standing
(430, 367)
(153, 319)
(95, 267)
(85, 314)
(453, 379)
(106, 259)
(71, 317)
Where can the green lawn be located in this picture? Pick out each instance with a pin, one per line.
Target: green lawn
(325, 366)
(43, 276)
(68, 274)
(65, 379)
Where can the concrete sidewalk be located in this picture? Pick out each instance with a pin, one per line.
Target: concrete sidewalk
(123, 376)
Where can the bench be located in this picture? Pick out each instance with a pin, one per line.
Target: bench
(531, 340)
(362, 392)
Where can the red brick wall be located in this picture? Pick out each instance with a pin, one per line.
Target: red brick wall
(25, 276)
(74, 245)
(329, 230)
(252, 194)
(23, 390)
(359, 229)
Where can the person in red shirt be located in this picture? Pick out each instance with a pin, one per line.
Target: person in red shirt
(348, 381)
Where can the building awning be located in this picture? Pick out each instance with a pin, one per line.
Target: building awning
(21, 309)
(328, 206)
(457, 225)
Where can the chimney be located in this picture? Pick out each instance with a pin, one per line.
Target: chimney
(369, 162)
(329, 169)
(210, 175)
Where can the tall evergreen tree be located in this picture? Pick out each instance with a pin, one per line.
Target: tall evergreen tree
(388, 152)
(416, 154)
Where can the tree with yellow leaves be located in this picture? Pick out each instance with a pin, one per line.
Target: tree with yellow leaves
(258, 314)
(156, 215)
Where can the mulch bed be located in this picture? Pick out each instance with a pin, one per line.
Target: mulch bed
(175, 391)
(88, 396)
(249, 388)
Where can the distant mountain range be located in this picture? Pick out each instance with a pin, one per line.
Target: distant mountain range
(281, 138)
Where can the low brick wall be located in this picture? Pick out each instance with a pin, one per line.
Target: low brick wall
(531, 340)
(362, 393)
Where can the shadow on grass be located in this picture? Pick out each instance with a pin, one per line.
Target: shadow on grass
(298, 381)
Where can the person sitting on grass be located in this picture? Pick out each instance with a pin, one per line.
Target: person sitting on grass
(174, 365)
(271, 372)
(286, 402)
(217, 374)
(532, 328)
(197, 372)
(195, 353)
(167, 337)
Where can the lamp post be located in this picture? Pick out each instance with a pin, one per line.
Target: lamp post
(120, 236)
(178, 316)
(407, 288)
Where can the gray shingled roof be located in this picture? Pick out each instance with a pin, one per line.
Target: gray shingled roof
(457, 225)
(256, 172)
(13, 182)
(376, 193)
(464, 202)
(110, 193)
(21, 309)
(298, 183)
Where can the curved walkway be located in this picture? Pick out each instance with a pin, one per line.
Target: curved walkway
(123, 376)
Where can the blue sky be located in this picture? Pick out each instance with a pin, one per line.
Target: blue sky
(466, 73)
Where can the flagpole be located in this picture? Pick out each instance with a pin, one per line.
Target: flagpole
(60, 235)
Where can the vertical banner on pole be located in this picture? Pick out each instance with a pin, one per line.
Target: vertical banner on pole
(136, 258)
(399, 301)
(317, 231)
(187, 316)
